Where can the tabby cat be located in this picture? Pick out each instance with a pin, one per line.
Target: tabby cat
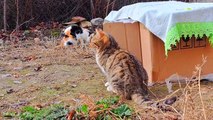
(125, 75)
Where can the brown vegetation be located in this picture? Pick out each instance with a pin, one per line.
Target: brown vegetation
(39, 75)
(19, 11)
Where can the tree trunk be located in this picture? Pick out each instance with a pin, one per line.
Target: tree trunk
(17, 14)
(92, 8)
(5, 12)
(107, 7)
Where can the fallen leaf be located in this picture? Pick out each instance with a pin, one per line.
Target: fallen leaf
(170, 101)
(38, 68)
(17, 82)
(71, 114)
(1, 95)
(29, 58)
(10, 91)
(16, 75)
(74, 86)
(38, 107)
(88, 56)
(37, 41)
(56, 87)
(171, 116)
(18, 68)
(2, 69)
(9, 114)
(30, 74)
(20, 103)
(6, 75)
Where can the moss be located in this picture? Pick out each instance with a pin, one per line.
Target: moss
(55, 32)
(9, 81)
(24, 71)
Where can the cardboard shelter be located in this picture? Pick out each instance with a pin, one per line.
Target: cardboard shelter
(149, 49)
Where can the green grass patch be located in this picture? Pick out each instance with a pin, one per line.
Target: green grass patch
(104, 109)
(9, 114)
(53, 112)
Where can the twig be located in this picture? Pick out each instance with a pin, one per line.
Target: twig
(175, 110)
(138, 116)
(168, 96)
(107, 7)
(197, 67)
(194, 86)
(115, 115)
(185, 102)
(201, 98)
(21, 25)
(153, 93)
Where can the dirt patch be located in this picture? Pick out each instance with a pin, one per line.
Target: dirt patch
(34, 74)
(46, 75)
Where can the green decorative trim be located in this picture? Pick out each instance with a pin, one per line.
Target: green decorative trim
(188, 28)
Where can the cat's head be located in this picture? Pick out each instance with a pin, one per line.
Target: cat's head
(70, 35)
(101, 40)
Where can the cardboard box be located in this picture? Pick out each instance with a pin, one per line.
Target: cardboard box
(149, 49)
(127, 35)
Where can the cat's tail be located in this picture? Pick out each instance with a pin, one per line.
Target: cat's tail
(140, 99)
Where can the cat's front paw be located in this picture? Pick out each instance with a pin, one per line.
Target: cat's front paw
(109, 88)
(107, 84)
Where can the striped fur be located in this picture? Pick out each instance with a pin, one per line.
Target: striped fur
(124, 73)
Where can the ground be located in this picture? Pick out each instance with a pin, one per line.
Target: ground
(39, 74)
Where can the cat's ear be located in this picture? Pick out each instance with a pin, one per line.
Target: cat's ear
(103, 37)
(99, 32)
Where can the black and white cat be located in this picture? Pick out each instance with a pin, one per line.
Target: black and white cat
(76, 35)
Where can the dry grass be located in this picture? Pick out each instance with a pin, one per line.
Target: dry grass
(194, 101)
(194, 98)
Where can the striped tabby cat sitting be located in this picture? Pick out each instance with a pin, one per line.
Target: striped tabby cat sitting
(125, 75)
